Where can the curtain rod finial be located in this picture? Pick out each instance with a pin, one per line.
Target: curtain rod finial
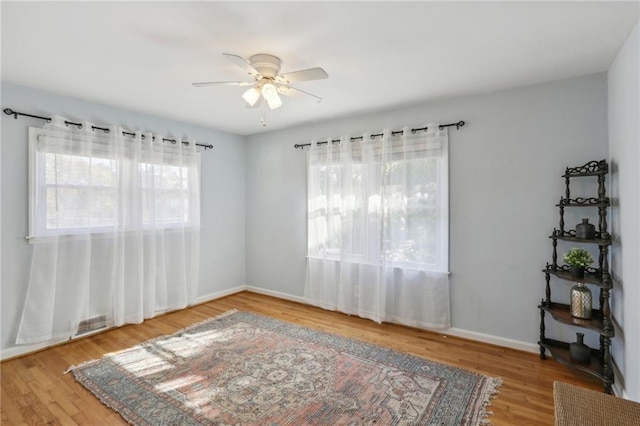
(9, 111)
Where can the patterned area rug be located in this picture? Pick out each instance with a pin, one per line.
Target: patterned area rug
(244, 368)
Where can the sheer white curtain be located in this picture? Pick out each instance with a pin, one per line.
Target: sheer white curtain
(378, 227)
(114, 226)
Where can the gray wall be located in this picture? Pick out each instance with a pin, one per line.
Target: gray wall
(505, 168)
(222, 258)
(624, 152)
(505, 179)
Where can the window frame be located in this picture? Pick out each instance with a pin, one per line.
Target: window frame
(37, 221)
(442, 264)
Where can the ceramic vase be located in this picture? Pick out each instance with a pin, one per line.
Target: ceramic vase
(578, 350)
(585, 230)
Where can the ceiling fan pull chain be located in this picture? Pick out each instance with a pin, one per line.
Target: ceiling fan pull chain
(263, 119)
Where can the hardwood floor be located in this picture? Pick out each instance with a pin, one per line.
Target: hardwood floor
(34, 389)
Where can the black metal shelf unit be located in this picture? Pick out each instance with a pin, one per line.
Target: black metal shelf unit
(600, 364)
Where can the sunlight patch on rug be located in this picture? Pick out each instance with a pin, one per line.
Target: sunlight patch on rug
(244, 368)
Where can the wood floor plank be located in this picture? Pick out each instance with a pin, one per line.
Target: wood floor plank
(60, 414)
(35, 390)
(9, 410)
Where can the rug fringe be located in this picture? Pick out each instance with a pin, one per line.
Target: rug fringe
(491, 392)
(81, 365)
(104, 402)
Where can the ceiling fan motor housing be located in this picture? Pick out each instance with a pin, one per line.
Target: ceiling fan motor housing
(265, 64)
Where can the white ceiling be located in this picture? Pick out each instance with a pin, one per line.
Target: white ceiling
(143, 56)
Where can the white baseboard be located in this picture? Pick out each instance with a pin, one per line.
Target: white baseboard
(26, 349)
(489, 338)
(277, 294)
(619, 392)
(457, 332)
(221, 293)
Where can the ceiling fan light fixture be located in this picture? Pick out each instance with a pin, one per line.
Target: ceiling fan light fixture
(270, 94)
(251, 96)
(266, 80)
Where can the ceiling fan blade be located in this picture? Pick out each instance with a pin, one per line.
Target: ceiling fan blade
(246, 66)
(292, 91)
(303, 75)
(223, 83)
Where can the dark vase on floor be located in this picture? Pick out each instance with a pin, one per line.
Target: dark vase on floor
(585, 230)
(577, 271)
(578, 350)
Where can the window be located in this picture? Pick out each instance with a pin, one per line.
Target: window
(374, 204)
(414, 224)
(80, 185)
(165, 194)
(331, 207)
(114, 219)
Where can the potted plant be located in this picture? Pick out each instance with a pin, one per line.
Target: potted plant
(578, 259)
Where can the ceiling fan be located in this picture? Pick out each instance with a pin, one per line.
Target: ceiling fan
(267, 83)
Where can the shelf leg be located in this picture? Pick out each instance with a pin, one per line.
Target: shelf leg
(542, 338)
(601, 188)
(605, 307)
(547, 290)
(604, 253)
(608, 370)
(602, 225)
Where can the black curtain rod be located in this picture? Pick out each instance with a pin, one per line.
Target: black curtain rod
(395, 132)
(15, 114)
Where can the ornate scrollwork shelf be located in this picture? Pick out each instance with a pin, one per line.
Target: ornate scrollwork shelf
(601, 321)
(591, 276)
(601, 240)
(584, 202)
(562, 313)
(592, 168)
(560, 352)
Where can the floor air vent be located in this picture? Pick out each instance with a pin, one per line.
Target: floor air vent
(92, 324)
